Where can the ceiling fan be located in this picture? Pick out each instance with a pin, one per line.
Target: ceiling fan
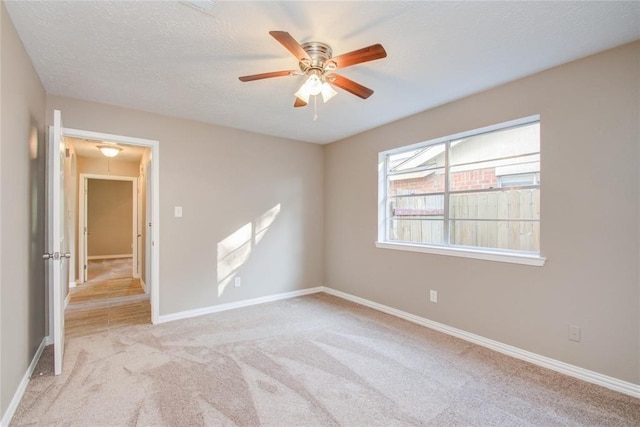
(316, 61)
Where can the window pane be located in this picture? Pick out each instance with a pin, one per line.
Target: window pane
(496, 205)
(519, 179)
(490, 182)
(417, 206)
(496, 145)
(417, 219)
(427, 231)
(426, 158)
(509, 235)
(395, 160)
(418, 182)
(490, 173)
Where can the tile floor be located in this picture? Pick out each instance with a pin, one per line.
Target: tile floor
(102, 306)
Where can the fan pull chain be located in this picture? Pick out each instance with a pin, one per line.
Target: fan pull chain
(315, 108)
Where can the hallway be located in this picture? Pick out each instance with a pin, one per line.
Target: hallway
(99, 270)
(103, 305)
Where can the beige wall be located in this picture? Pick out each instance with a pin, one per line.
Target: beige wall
(229, 182)
(106, 166)
(109, 217)
(589, 209)
(22, 148)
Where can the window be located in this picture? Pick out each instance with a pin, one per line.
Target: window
(468, 194)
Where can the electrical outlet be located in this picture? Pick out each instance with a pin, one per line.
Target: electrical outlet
(237, 282)
(433, 296)
(574, 333)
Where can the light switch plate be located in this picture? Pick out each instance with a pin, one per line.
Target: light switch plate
(433, 296)
(177, 211)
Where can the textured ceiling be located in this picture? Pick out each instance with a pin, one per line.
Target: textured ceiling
(172, 59)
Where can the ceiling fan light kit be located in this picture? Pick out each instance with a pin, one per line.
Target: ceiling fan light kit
(327, 92)
(315, 85)
(315, 60)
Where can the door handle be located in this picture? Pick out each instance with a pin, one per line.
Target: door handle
(56, 255)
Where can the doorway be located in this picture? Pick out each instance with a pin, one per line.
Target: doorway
(62, 225)
(108, 228)
(142, 191)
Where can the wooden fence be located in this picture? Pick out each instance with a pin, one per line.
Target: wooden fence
(501, 219)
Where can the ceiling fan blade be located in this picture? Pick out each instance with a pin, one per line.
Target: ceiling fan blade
(291, 44)
(350, 86)
(299, 103)
(365, 54)
(265, 75)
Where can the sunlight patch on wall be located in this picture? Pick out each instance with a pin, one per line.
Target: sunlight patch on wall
(264, 221)
(234, 250)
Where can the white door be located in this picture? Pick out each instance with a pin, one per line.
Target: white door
(57, 243)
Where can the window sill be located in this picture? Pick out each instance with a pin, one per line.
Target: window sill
(532, 260)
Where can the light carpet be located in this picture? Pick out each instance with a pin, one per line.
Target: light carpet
(310, 361)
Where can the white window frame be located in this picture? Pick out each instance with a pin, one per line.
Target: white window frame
(474, 253)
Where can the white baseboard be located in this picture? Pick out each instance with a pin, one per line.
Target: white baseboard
(611, 383)
(66, 300)
(110, 256)
(17, 396)
(233, 305)
(143, 285)
(73, 284)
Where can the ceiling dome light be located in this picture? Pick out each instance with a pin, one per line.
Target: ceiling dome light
(109, 150)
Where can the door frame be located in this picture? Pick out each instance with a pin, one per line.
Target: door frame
(154, 249)
(82, 220)
(147, 224)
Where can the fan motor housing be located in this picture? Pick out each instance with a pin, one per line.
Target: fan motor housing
(320, 54)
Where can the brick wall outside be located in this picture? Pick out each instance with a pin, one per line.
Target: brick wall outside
(460, 181)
